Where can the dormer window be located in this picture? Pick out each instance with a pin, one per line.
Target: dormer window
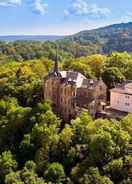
(91, 82)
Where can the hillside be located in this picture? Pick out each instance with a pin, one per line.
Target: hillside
(117, 37)
(105, 40)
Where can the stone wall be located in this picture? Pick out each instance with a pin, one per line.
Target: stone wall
(51, 90)
(67, 103)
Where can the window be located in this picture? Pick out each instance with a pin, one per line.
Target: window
(127, 97)
(100, 88)
(74, 93)
(65, 91)
(127, 104)
(61, 99)
(69, 92)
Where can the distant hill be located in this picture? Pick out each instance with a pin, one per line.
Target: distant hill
(117, 37)
(30, 38)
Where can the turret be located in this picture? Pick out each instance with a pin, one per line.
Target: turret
(55, 71)
(56, 68)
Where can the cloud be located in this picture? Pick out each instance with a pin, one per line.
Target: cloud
(82, 8)
(127, 17)
(39, 6)
(66, 12)
(10, 3)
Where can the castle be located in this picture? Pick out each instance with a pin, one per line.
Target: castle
(71, 93)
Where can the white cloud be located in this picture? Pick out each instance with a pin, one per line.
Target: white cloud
(10, 2)
(66, 12)
(40, 6)
(37, 6)
(82, 7)
(127, 17)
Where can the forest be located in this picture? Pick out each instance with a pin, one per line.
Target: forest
(36, 147)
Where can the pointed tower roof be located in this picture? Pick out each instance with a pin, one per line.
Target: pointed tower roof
(56, 71)
(56, 68)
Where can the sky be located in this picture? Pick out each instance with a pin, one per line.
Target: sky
(60, 17)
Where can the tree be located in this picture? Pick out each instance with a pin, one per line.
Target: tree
(14, 121)
(126, 124)
(64, 151)
(25, 176)
(80, 66)
(102, 148)
(96, 63)
(26, 149)
(7, 164)
(44, 136)
(119, 60)
(82, 129)
(111, 76)
(55, 173)
(119, 170)
(92, 175)
(13, 178)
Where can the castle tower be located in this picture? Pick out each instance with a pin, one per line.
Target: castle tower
(56, 68)
(67, 106)
(52, 83)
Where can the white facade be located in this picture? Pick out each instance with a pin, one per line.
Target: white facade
(121, 99)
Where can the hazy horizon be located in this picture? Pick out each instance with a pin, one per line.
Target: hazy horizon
(59, 35)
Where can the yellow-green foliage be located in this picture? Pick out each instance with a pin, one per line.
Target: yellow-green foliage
(37, 147)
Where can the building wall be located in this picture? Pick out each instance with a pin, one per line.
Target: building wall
(51, 90)
(67, 103)
(92, 109)
(98, 92)
(121, 102)
(84, 95)
(85, 92)
(101, 91)
(66, 97)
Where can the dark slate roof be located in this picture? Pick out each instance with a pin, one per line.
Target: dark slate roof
(87, 83)
(74, 78)
(66, 81)
(72, 75)
(79, 79)
(54, 74)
